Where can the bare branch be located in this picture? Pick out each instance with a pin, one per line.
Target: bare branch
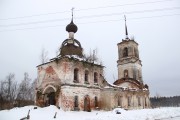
(43, 56)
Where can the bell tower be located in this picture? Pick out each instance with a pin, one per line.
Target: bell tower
(129, 63)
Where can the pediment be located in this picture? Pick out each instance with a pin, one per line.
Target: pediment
(50, 74)
(128, 83)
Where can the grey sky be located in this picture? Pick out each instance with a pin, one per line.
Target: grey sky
(158, 37)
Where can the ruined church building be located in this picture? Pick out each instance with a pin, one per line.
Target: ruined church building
(75, 83)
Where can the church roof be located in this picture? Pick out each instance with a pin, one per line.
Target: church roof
(71, 47)
(71, 27)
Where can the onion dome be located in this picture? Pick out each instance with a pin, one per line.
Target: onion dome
(71, 27)
(71, 46)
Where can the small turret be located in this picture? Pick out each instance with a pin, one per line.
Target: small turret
(71, 27)
(71, 46)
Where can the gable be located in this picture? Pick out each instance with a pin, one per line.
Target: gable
(128, 83)
(50, 74)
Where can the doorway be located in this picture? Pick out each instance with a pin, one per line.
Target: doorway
(51, 98)
(87, 104)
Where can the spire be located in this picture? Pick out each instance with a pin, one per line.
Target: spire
(72, 10)
(126, 28)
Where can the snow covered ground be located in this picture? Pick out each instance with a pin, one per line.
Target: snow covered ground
(47, 113)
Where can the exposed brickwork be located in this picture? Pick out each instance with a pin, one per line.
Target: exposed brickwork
(59, 74)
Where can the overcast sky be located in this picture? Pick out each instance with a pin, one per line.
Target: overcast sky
(27, 26)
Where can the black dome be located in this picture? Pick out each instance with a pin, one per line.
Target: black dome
(71, 27)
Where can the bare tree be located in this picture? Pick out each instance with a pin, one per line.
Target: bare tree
(32, 90)
(43, 56)
(13, 94)
(24, 88)
(1, 96)
(8, 91)
(12, 86)
(9, 87)
(92, 56)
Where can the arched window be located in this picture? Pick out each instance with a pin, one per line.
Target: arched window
(119, 101)
(136, 53)
(95, 77)
(145, 102)
(126, 73)
(129, 101)
(76, 101)
(96, 101)
(76, 75)
(134, 73)
(120, 54)
(76, 105)
(139, 75)
(125, 52)
(86, 75)
(139, 101)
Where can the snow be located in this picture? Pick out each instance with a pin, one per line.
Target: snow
(108, 87)
(76, 57)
(47, 113)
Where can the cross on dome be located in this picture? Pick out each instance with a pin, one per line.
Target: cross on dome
(126, 31)
(71, 27)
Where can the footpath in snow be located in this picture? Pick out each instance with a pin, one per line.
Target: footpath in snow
(48, 113)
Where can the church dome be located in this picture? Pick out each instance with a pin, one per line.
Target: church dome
(71, 27)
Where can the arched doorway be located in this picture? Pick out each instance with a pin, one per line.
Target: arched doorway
(87, 104)
(49, 96)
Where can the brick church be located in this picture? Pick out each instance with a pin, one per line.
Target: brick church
(75, 83)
